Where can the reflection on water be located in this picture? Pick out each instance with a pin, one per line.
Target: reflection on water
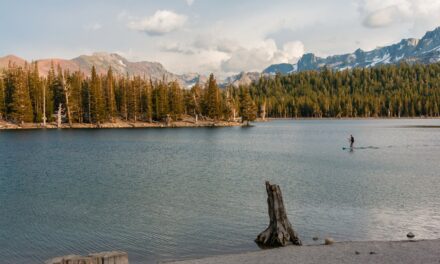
(179, 193)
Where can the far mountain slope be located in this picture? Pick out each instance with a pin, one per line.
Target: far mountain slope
(426, 50)
(102, 61)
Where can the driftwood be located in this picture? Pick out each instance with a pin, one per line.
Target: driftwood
(112, 257)
(280, 231)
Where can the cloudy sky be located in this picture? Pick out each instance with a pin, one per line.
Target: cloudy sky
(220, 36)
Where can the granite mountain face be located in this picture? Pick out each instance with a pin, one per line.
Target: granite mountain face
(425, 50)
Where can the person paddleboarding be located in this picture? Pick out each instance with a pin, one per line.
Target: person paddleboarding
(351, 140)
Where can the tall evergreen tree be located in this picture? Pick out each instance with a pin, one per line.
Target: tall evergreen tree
(97, 107)
(36, 92)
(20, 105)
(110, 95)
(49, 92)
(2, 100)
(161, 103)
(248, 108)
(147, 100)
(74, 82)
(176, 100)
(213, 99)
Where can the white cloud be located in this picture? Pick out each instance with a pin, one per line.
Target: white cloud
(293, 50)
(230, 44)
(189, 2)
(93, 27)
(383, 17)
(176, 48)
(385, 13)
(262, 55)
(162, 22)
(211, 42)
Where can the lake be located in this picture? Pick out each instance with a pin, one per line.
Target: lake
(164, 194)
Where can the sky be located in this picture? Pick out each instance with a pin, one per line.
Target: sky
(204, 36)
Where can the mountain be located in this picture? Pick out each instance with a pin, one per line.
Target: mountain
(4, 61)
(282, 67)
(426, 50)
(243, 78)
(121, 66)
(102, 61)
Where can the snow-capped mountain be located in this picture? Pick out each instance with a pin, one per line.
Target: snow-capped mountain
(241, 79)
(425, 50)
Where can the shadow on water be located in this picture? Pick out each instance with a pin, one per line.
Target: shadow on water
(359, 148)
(389, 147)
(419, 126)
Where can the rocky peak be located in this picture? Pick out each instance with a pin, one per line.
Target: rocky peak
(411, 50)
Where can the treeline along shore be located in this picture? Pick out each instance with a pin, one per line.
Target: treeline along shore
(67, 99)
(74, 99)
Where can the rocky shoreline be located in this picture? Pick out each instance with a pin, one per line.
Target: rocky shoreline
(119, 124)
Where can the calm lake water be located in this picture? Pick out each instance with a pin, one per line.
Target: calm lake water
(163, 194)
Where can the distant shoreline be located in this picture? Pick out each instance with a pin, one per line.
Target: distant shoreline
(120, 124)
(349, 118)
(4, 125)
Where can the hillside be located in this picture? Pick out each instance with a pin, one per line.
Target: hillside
(102, 61)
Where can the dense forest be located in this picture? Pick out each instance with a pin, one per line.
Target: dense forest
(27, 97)
(388, 91)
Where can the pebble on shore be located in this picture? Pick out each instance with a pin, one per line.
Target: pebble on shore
(410, 235)
(329, 241)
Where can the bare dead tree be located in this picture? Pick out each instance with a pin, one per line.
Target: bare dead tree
(66, 89)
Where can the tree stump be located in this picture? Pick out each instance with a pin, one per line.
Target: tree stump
(280, 231)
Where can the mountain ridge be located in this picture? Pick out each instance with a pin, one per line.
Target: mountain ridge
(411, 50)
(102, 61)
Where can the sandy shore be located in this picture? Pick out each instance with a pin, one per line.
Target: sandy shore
(119, 124)
(422, 251)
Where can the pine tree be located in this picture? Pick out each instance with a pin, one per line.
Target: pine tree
(74, 83)
(57, 88)
(148, 100)
(110, 95)
(123, 97)
(161, 103)
(248, 108)
(213, 99)
(133, 98)
(36, 92)
(2, 100)
(97, 107)
(49, 95)
(20, 106)
(86, 107)
(176, 101)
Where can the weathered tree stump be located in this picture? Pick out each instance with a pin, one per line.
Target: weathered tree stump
(280, 231)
